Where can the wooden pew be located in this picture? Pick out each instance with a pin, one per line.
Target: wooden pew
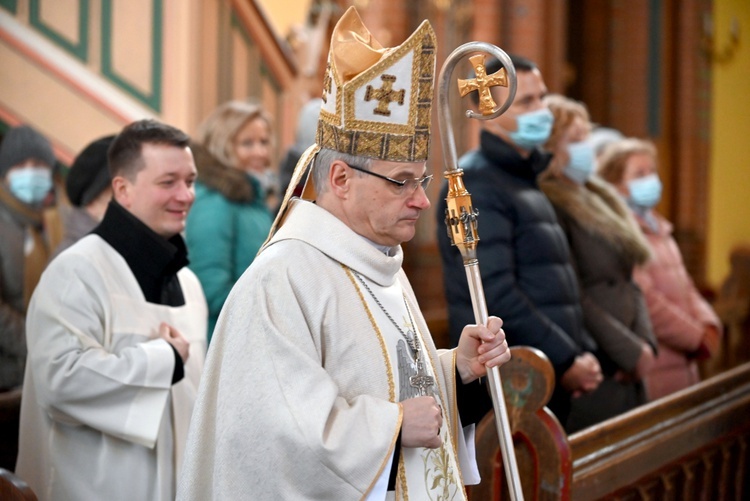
(12, 488)
(690, 445)
(732, 304)
(10, 411)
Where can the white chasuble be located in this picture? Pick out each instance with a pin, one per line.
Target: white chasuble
(300, 395)
(100, 418)
(424, 474)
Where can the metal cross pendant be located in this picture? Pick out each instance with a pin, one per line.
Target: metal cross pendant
(421, 380)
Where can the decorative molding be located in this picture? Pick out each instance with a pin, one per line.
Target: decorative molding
(39, 51)
(9, 5)
(153, 99)
(79, 49)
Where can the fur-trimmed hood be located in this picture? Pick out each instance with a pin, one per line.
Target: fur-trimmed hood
(600, 210)
(233, 184)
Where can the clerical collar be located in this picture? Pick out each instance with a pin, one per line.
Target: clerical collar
(153, 259)
(388, 251)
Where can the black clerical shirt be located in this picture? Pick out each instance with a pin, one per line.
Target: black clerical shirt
(153, 259)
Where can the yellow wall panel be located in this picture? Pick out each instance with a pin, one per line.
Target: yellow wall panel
(729, 204)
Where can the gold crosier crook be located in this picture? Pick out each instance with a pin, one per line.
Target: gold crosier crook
(461, 216)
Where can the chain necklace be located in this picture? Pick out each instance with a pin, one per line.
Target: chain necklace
(412, 340)
(422, 381)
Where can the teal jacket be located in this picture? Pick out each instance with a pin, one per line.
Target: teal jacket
(225, 228)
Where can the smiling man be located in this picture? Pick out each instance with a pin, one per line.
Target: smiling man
(322, 381)
(116, 337)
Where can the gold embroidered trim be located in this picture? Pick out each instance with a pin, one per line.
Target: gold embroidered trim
(389, 370)
(386, 357)
(453, 402)
(387, 141)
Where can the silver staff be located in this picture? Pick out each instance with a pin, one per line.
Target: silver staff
(461, 216)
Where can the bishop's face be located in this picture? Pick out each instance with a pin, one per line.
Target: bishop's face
(381, 211)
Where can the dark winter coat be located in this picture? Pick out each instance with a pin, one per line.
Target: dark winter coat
(606, 244)
(23, 254)
(523, 257)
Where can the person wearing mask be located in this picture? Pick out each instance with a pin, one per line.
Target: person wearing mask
(525, 262)
(605, 246)
(89, 190)
(230, 218)
(116, 337)
(685, 325)
(26, 163)
(323, 381)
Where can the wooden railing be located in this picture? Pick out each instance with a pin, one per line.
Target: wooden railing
(690, 445)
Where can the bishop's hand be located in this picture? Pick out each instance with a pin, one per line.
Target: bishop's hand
(479, 348)
(420, 426)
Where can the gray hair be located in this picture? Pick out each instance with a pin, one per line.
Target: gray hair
(326, 157)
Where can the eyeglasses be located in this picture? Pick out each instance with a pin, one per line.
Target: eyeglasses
(404, 185)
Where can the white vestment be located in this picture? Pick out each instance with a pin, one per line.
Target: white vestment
(299, 398)
(100, 418)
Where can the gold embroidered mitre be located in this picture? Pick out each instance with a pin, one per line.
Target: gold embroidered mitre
(377, 101)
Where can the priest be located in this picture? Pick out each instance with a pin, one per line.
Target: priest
(116, 337)
(322, 380)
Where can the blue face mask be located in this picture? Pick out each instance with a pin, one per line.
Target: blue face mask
(581, 163)
(645, 192)
(30, 184)
(534, 128)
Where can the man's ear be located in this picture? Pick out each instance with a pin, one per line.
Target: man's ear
(121, 190)
(338, 178)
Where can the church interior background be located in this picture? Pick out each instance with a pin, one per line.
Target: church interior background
(673, 71)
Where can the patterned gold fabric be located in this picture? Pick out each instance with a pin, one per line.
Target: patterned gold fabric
(377, 102)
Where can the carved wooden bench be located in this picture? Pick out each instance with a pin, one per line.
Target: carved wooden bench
(690, 445)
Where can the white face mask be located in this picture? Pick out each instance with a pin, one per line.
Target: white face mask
(645, 192)
(581, 163)
(30, 184)
(534, 128)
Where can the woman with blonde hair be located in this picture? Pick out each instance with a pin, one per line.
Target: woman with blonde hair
(230, 218)
(605, 246)
(685, 325)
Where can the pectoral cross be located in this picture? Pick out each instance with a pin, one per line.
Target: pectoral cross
(482, 84)
(421, 380)
(385, 95)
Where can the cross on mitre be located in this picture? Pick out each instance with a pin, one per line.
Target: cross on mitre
(482, 84)
(385, 95)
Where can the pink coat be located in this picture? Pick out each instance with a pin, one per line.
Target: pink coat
(681, 317)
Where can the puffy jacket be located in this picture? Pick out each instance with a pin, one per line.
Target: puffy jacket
(225, 228)
(678, 312)
(523, 256)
